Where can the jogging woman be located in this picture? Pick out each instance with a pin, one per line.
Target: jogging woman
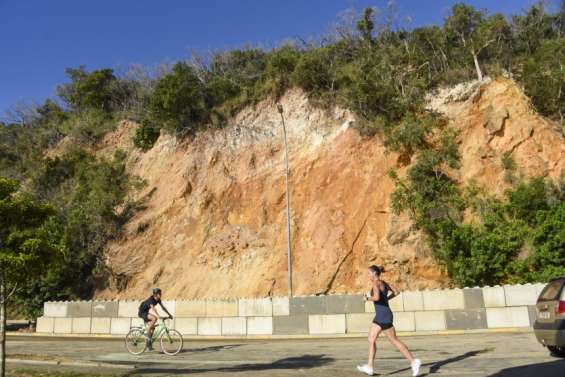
(380, 293)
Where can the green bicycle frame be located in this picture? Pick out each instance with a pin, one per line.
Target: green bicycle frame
(159, 329)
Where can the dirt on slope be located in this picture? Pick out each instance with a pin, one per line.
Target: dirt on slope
(213, 219)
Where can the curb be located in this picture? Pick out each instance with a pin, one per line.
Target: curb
(279, 337)
(70, 363)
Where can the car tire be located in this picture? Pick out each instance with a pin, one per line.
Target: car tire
(556, 351)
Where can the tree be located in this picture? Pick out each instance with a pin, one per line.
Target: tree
(544, 78)
(533, 27)
(178, 102)
(25, 247)
(366, 25)
(473, 31)
(89, 91)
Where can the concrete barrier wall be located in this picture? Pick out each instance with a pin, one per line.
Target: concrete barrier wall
(509, 306)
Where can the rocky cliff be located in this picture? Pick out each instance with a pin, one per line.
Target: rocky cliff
(212, 219)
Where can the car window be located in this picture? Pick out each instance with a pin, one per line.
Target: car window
(551, 291)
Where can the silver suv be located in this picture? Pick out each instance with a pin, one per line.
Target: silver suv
(550, 324)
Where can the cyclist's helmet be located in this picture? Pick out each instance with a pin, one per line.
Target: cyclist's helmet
(156, 291)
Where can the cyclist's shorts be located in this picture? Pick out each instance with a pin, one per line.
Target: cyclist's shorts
(144, 317)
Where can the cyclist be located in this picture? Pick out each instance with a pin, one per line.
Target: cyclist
(148, 312)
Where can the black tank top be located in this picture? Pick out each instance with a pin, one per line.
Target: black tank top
(383, 314)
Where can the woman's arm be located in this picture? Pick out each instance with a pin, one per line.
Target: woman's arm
(376, 293)
(165, 309)
(393, 292)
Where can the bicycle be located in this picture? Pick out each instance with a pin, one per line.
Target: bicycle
(170, 339)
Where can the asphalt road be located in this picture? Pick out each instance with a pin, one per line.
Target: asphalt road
(517, 355)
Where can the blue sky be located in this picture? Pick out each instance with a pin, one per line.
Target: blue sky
(40, 38)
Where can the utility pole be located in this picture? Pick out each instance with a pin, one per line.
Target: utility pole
(289, 243)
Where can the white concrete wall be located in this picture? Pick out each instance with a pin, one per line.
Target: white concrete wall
(419, 311)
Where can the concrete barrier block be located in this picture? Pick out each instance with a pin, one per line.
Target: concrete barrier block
(443, 299)
(473, 298)
(128, 309)
(55, 309)
(221, 308)
(413, 301)
(343, 304)
(468, 319)
(327, 324)
(405, 321)
(430, 320)
(186, 326)
(100, 325)
(45, 325)
(516, 316)
(539, 287)
(63, 325)
(369, 307)
(255, 307)
(234, 326)
(259, 325)
(137, 322)
(290, 325)
(520, 295)
(308, 305)
(104, 309)
(281, 306)
(192, 308)
(397, 303)
(79, 309)
(358, 322)
(170, 305)
(81, 325)
(209, 326)
(120, 326)
(494, 297)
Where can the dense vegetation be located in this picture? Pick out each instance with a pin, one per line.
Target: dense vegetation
(380, 72)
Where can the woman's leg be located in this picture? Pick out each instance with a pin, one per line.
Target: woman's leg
(151, 324)
(374, 332)
(391, 335)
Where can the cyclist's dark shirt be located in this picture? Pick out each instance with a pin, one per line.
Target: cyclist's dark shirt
(146, 305)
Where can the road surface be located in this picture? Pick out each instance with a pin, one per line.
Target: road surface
(493, 354)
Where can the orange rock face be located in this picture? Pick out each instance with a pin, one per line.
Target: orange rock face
(213, 221)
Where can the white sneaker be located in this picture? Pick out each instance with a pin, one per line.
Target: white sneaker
(365, 369)
(415, 365)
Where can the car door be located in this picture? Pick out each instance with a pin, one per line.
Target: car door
(548, 301)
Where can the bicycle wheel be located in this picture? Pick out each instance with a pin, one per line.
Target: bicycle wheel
(171, 342)
(135, 341)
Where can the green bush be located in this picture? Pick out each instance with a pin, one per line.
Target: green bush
(89, 91)
(411, 133)
(178, 102)
(146, 135)
(521, 238)
(87, 193)
(243, 67)
(544, 78)
(280, 66)
(88, 126)
(314, 73)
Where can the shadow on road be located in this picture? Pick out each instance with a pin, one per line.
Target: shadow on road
(436, 366)
(300, 362)
(211, 349)
(549, 369)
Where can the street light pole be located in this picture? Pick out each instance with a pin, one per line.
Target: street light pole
(289, 243)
